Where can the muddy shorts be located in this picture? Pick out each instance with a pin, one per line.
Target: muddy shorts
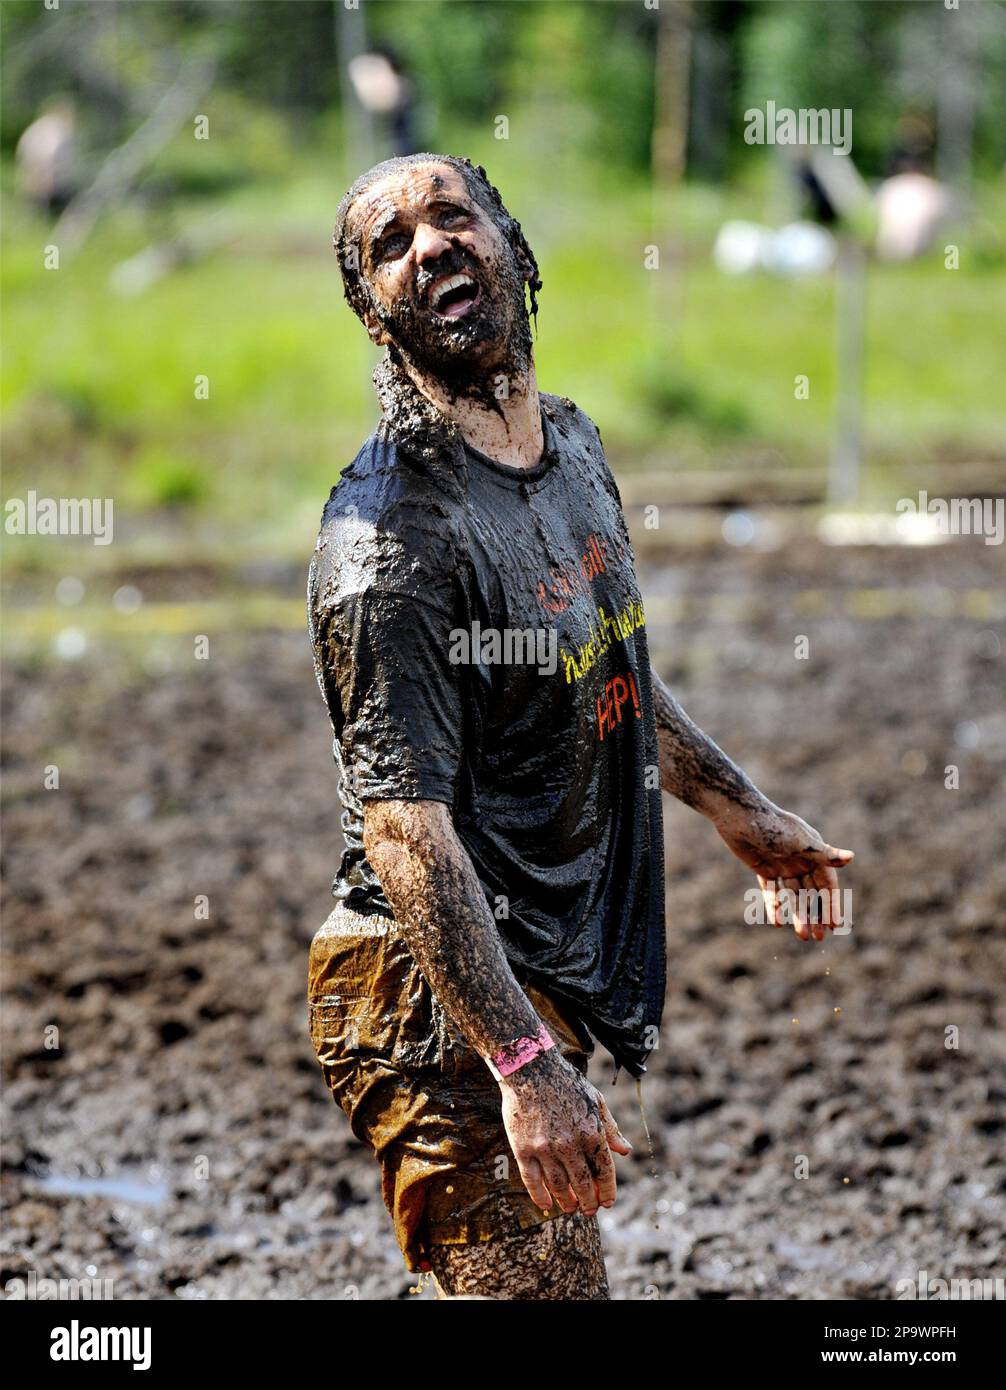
(414, 1091)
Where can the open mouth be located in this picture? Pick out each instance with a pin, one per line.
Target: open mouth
(454, 295)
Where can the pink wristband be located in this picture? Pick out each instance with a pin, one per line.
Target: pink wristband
(518, 1053)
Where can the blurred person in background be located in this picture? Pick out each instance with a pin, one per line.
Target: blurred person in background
(386, 90)
(912, 207)
(48, 159)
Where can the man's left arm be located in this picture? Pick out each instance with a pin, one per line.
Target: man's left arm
(783, 850)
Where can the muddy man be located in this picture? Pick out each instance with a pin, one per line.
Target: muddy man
(500, 901)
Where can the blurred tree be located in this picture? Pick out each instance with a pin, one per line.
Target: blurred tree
(675, 41)
(580, 74)
(277, 52)
(881, 61)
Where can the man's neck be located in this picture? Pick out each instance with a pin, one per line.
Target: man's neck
(509, 432)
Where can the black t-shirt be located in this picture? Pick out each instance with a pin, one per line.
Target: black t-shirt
(546, 748)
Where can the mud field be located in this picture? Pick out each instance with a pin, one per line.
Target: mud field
(180, 1140)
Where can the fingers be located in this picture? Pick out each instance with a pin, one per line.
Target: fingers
(812, 902)
(824, 877)
(818, 918)
(533, 1178)
(824, 892)
(601, 1161)
(581, 1180)
(768, 892)
(825, 882)
(797, 911)
(547, 1181)
(597, 1150)
(558, 1182)
(812, 905)
(812, 911)
(606, 1187)
(569, 1165)
(837, 858)
(616, 1139)
(784, 904)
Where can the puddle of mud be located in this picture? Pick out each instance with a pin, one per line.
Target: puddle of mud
(124, 1187)
(192, 1037)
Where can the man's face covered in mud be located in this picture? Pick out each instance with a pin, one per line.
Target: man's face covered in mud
(445, 286)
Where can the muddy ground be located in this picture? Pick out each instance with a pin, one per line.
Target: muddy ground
(182, 1084)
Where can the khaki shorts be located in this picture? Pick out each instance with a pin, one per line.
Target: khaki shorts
(415, 1092)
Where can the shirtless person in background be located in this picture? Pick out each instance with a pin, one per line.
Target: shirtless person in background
(500, 904)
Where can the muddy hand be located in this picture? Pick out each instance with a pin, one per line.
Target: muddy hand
(796, 869)
(562, 1135)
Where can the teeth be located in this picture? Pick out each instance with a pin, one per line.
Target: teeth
(452, 283)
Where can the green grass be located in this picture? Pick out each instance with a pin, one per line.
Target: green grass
(681, 366)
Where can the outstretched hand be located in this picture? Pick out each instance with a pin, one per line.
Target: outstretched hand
(796, 869)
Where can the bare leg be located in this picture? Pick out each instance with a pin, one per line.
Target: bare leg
(560, 1259)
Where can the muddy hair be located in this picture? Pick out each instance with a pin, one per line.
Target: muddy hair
(425, 437)
(478, 185)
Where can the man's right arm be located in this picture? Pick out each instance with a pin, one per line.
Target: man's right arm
(558, 1124)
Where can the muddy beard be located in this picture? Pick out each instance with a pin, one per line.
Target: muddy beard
(413, 421)
(452, 351)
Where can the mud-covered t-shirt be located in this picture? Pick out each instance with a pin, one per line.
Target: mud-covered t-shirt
(480, 640)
